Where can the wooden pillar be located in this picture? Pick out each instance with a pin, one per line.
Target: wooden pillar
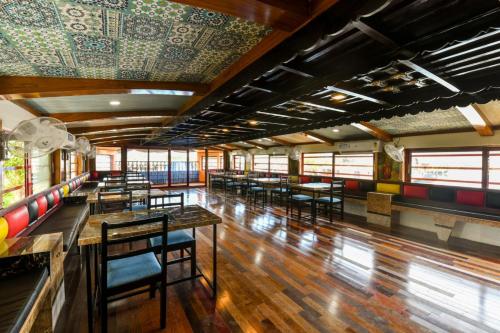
(206, 166)
(226, 160)
(187, 168)
(56, 161)
(124, 159)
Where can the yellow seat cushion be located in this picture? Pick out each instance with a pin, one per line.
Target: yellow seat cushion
(388, 188)
(66, 190)
(4, 229)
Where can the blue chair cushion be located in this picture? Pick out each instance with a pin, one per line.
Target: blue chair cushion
(256, 189)
(174, 238)
(139, 207)
(126, 270)
(328, 199)
(279, 190)
(251, 185)
(115, 190)
(235, 184)
(301, 197)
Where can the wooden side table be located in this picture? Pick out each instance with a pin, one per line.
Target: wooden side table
(379, 209)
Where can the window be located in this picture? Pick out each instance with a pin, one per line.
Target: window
(212, 162)
(261, 163)
(13, 180)
(108, 159)
(494, 170)
(359, 166)
(40, 170)
(317, 164)
(278, 163)
(452, 168)
(158, 166)
(74, 165)
(239, 162)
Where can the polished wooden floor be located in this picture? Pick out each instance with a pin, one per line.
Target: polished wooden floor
(280, 276)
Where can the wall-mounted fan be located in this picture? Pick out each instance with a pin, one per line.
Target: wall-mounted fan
(69, 142)
(295, 153)
(38, 136)
(394, 152)
(82, 145)
(92, 153)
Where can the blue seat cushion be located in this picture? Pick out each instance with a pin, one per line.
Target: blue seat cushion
(251, 185)
(301, 197)
(132, 269)
(328, 199)
(235, 184)
(279, 190)
(256, 189)
(139, 207)
(115, 190)
(174, 238)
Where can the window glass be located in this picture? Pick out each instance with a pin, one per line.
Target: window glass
(194, 171)
(278, 163)
(358, 166)
(13, 180)
(74, 164)
(239, 162)
(179, 167)
(494, 170)
(137, 161)
(452, 168)
(317, 164)
(261, 163)
(40, 170)
(158, 166)
(108, 159)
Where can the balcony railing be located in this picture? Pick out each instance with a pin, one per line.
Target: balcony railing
(158, 171)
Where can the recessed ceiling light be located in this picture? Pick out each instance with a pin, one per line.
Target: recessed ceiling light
(253, 122)
(225, 130)
(336, 130)
(114, 103)
(338, 97)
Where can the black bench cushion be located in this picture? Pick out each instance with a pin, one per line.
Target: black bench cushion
(50, 200)
(442, 194)
(68, 219)
(33, 210)
(19, 293)
(493, 200)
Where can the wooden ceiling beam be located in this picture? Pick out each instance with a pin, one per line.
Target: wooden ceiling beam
(117, 135)
(83, 130)
(282, 142)
(373, 131)
(272, 13)
(21, 87)
(82, 116)
(319, 137)
(235, 146)
(26, 106)
(256, 145)
(476, 117)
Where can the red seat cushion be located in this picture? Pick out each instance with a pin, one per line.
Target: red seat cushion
(304, 179)
(352, 185)
(412, 191)
(95, 175)
(18, 220)
(42, 205)
(116, 173)
(326, 180)
(57, 197)
(472, 198)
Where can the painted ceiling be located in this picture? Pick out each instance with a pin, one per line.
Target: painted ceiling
(154, 40)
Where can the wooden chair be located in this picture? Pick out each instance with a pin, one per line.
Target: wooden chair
(297, 199)
(112, 202)
(134, 272)
(334, 202)
(282, 190)
(178, 240)
(254, 190)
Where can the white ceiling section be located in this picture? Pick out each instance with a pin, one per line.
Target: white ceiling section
(113, 122)
(11, 115)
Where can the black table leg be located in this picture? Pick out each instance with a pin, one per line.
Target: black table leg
(214, 261)
(90, 308)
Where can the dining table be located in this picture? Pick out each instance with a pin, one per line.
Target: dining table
(180, 218)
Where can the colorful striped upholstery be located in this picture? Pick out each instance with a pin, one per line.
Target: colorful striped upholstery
(388, 188)
(4, 229)
(18, 219)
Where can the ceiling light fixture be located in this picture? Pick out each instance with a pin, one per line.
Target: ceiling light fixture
(253, 122)
(114, 103)
(335, 130)
(225, 130)
(338, 97)
(162, 92)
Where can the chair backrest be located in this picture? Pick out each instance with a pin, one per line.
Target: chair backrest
(337, 188)
(284, 181)
(138, 186)
(112, 202)
(164, 201)
(115, 228)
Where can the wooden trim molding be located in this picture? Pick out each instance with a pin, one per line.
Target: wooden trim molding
(82, 116)
(20, 87)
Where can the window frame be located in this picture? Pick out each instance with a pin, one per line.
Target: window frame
(234, 162)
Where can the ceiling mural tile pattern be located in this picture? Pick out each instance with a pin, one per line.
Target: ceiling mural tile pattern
(155, 40)
(422, 122)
